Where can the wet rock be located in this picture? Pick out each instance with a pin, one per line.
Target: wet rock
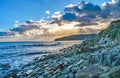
(86, 49)
(60, 66)
(12, 74)
(57, 71)
(91, 71)
(79, 63)
(54, 76)
(29, 71)
(71, 75)
(113, 73)
(103, 40)
(116, 74)
(116, 62)
(5, 66)
(91, 59)
(105, 68)
(41, 77)
(74, 69)
(68, 69)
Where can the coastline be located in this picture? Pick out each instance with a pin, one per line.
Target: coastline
(53, 57)
(95, 58)
(25, 57)
(74, 62)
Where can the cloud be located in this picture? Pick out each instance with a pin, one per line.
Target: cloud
(57, 12)
(42, 30)
(16, 23)
(81, 12)
(56, 16)
(89, 12)
(73, 9)
(69, 16)
(82, 7)
(70, 6)
(111, 9)
(28, 25)
(47, 12)
(89, 7)
(2, 33)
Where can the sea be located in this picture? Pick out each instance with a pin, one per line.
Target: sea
(13, 55)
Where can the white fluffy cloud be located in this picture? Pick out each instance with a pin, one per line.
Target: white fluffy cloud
(16, 23)
(116, 1)
(57, 12)
(47, 12)
(70, 6)
(57, 15)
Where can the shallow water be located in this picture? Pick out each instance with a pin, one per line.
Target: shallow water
(16, 54)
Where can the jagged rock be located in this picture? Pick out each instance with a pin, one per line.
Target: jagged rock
(29, 71)
(89, 72)
(60, 66)
(103, 40)
(116, 62)
(113, 73)
(5, 66)
(74, 69)
(70, 75)
(12, 74)
(86, 49)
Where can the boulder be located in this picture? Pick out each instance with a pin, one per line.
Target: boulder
(89, 72)
(5, 66)
(103, 40)
(113, 73)
(12, 74)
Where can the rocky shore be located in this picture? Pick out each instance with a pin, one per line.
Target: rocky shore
(96, 58)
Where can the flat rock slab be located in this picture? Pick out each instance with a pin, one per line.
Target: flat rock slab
(89, 72)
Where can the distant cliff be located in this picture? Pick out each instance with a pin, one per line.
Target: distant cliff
(77, 37)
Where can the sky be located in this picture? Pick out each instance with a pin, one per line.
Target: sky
(40, 20)
(24, 10)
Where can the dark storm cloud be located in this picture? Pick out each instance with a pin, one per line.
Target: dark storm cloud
(74, 9)
(89, 7)
(29, 25)
(83, 7)
(81, 12)
(111, 9)
(88, 11)
(6, 33)
(69, 16)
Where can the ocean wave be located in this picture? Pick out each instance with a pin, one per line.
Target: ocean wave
(28, 45)
(40, 45)
(34, 53)
(8, 47)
